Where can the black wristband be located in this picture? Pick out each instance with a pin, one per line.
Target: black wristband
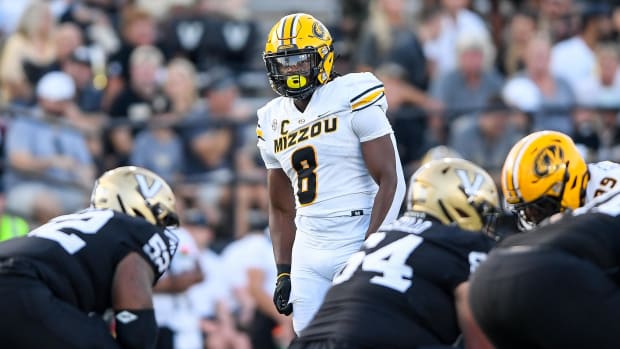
(284, 269)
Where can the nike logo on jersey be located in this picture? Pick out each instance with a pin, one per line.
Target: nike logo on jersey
(289, 139)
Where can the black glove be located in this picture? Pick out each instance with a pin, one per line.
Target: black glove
(283, 290)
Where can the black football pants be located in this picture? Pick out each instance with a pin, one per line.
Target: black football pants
(545, 299)
(32, 318)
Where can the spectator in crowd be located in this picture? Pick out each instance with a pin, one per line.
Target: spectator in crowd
(28, 53)
(211, 297)
(138, 28)
(605, 96)
(78, 65)
(388, 37)
(181, 89)
(574, 59)
(142, 97)
(557, 97)
(409, 123)
(468, 87)
(486, 138)
(556, 19)
(49, 167)
(251, 197)
(210, 143)
(609, 131)
(456, 20)
(68, 38)
(521, 94)
(604, 89)
(270, 329)
(140, 100)
(159, 149)
(511, 56)
(175, 312)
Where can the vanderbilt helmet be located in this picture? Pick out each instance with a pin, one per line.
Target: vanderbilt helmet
(455, 192)
(439, 152)
(137, 192)
(299, 55)
(543, 174)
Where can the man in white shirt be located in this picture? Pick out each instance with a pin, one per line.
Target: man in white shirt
(574, 59)
(456, 20)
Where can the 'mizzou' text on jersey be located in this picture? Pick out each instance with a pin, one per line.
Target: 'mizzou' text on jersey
(289, 139)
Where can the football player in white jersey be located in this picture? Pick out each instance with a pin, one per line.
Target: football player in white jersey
(545, 174)
(333, 171)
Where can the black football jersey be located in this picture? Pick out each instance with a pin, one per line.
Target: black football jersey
(591, 236)
(398, 290)
(76, 255)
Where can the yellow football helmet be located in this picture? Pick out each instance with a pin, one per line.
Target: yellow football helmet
(299, 55)
(456, 192)
(543, 174)
(137, 192)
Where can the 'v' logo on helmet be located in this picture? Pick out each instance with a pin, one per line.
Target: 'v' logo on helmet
(148, 191)
(469, 187)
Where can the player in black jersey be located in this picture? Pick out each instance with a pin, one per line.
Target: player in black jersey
(56, 282)
(407, 287)
(556, 286)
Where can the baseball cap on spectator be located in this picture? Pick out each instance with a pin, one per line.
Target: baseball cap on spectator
(56, 86)
(521, 93)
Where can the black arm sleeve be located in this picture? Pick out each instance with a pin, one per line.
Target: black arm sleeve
(136, 329)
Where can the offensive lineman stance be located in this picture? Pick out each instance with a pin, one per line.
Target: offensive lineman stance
(556, 286)
(56, 282)
(544, 174)
(407, 287)
(333, 171)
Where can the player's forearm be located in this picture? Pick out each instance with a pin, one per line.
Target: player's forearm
(383, 202)
(282, 231)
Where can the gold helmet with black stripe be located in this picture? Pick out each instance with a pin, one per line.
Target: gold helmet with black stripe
(299, 55)
(136, 192)
(455, 192)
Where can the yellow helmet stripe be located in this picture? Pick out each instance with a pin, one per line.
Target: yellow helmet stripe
(517, 163)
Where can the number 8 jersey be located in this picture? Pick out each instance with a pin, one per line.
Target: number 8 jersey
(320, 149)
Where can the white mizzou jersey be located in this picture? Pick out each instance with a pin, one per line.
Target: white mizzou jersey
(320, 149)
(604, 177)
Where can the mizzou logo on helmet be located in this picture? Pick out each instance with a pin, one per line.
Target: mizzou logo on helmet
(548, 160)
(318, 30)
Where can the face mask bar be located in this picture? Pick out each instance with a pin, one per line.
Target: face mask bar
(531, 214)
(293, 73)
(489, 216)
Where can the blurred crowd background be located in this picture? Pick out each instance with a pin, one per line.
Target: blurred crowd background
(173, 86)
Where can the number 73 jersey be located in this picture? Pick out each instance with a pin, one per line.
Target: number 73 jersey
(320, 149)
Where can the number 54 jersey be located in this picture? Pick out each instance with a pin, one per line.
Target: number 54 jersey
(398, 290)
(76, 255)
(320, 149)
